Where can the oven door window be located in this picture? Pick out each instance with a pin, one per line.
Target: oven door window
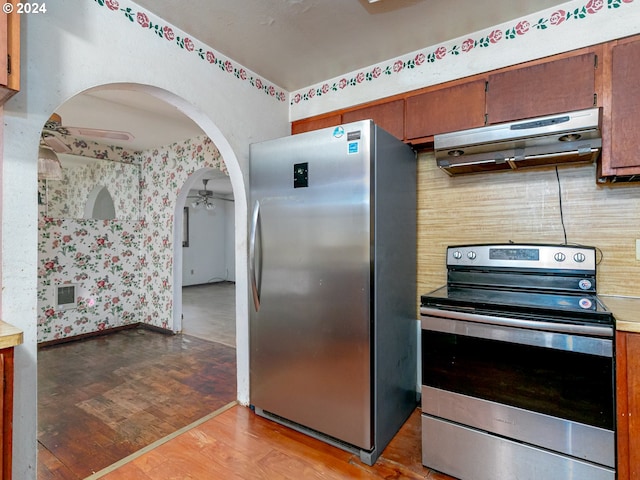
(568, 385)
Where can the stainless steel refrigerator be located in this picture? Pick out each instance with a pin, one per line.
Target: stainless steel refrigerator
(332, 260)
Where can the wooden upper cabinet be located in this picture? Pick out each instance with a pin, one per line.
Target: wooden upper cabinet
(388, 115)
(9, 55)
(624, 129)
(4, 60)
(445, 110)
(546, 88)
(315, 123)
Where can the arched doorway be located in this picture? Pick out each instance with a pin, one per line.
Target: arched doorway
(158, 222)
(203, 267)
(240, 213)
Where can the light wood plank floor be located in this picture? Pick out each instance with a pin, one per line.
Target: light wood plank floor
(238, 444)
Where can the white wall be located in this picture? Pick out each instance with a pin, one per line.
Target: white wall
(210, 255)
(230, 230)
(76, 45)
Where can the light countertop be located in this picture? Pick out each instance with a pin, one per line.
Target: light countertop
(10, 336)
(626, 311)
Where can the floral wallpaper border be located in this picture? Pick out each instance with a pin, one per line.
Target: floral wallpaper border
(396, 66)
(147, 21)
(431, 56)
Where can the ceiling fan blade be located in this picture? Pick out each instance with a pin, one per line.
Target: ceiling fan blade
(99, 133)
(56, 144)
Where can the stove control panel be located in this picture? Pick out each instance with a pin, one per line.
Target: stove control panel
(523, 256)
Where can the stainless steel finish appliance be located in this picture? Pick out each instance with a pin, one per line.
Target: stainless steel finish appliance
(567, 137)
(517, 366)
(333, 337)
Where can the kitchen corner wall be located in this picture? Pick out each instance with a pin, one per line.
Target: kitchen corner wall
(523, 206)
(123, 268)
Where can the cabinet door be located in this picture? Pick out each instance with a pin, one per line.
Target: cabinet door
(315, 123)
(625, 105)
(628, 404)
(9, 48)
(544, 89)
(388, 115)
(445, 110)
(6, 422)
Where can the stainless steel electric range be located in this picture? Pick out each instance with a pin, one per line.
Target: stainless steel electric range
(517, 366)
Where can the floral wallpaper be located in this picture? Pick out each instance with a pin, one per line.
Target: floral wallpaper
(101, 257)
(164, 171)
(123, 268)
(67, 198)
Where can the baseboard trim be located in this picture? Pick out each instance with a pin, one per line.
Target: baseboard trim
(107, 331)
(154, 328)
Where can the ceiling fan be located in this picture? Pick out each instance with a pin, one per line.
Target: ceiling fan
(53, 130)
(204, 197)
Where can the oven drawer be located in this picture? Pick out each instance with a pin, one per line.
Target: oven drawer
(470, 454)
(571, 438)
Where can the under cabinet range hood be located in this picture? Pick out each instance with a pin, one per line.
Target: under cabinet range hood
(572, 137)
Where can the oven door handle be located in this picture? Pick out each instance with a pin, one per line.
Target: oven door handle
(576, 338)
(592, 330)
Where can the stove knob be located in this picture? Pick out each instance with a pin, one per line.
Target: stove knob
(559, 257)
(585, 284)
(471, 255)
(579, 257)
(585, 303)
(457, 254)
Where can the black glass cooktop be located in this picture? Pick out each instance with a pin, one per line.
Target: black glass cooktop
(573, 308)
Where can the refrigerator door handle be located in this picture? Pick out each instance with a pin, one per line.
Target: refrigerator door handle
(252, 256)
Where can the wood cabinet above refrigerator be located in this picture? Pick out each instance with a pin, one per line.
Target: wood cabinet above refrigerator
(445, 110)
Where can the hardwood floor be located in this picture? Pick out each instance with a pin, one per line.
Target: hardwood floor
(104, 398)
(238, 444)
